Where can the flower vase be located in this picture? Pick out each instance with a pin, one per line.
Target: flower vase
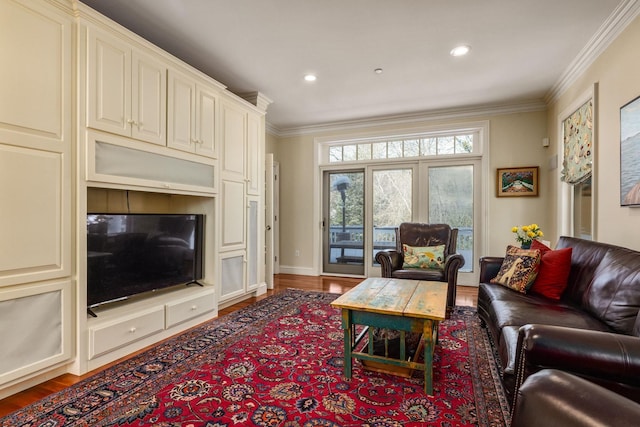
(526, 245)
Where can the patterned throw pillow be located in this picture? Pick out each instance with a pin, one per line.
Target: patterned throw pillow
(519, 269)
(428, 257)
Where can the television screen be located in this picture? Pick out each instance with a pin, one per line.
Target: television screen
(128, 254)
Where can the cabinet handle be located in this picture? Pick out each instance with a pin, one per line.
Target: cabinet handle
(194, 307)
(132, 330)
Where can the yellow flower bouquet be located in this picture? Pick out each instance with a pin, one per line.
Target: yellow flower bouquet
(526, 234)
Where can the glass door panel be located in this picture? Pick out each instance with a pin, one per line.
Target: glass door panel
(451, 200)
(343, 234)
(392, 202)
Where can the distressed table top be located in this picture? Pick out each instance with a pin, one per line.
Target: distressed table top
(398, 297)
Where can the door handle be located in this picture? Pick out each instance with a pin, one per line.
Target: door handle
(268, 228)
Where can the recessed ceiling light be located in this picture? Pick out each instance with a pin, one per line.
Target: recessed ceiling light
(310, 77)
(378, 71)
(460, 50)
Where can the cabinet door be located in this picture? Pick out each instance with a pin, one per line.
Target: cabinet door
(181, 109)
(109, 81)
(35, 143)
(232, 278)
(36, 328)
(254, 151)
(233, 141)
(206, 104)
(149, 99)
(253, 248)
(233, 214)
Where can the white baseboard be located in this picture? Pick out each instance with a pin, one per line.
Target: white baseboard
(304, 271)
(262, 289)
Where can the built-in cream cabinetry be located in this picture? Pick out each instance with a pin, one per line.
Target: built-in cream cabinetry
(126, 88)
(192, 115)
(94, 118)
(241, 188)
(36, 263)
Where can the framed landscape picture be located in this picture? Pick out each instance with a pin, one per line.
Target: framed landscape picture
(630, 153)
(517, 182)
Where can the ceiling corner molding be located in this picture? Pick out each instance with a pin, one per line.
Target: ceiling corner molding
(626, 12)
(444, 114)
(258, 99)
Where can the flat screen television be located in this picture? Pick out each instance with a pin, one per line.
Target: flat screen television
(129, 254)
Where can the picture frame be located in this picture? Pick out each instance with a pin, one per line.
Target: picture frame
(517, 182)
(630, 153)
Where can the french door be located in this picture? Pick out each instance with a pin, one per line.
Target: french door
(343, 219)
(362, 208)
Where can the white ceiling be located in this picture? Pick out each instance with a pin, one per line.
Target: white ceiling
(520, 50)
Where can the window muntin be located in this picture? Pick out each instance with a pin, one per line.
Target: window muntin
(399, 148)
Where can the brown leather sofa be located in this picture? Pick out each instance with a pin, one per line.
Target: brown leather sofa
(555, 398)
(592, 331)
(421, 235)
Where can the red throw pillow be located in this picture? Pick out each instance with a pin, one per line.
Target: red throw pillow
(554, 271)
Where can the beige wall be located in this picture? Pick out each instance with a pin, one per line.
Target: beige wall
(616, 72)
(515, 140)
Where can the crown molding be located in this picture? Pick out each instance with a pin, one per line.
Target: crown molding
(621, 17)
(432, 115)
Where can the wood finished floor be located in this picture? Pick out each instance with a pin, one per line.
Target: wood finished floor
(466, 295)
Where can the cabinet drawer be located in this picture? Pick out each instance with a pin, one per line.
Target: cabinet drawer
(187, 308)
(118, 333)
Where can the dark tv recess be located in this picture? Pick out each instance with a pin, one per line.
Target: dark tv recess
(129, 254)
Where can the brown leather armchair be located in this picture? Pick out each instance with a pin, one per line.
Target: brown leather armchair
(556, 398)
(418, 234)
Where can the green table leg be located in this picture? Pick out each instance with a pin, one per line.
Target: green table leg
(348, 340)
(427, 337)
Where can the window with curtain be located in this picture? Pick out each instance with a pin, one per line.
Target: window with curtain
(578, 145)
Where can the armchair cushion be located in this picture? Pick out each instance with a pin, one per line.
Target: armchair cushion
(427, 257)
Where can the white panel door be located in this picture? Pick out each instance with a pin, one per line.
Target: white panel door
(232, 275)
(149, 99)
(233, 214)
(233, 140)
(109, 83)
(35, 75)
(254, 154)
(181, 112)
(206, 105)
(34, 217)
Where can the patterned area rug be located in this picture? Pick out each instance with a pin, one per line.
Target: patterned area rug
(279, 363)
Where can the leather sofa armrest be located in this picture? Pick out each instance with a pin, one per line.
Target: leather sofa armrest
(452, 264)
(489, 268)
(389, 261)
(609, 359)
(556, 398)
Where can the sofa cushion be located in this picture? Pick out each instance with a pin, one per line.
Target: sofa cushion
(614, 294)
(519, 269)
(426, 257)
(553, 274)
(585, 258)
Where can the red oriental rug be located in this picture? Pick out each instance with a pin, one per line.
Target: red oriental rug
(279, 362)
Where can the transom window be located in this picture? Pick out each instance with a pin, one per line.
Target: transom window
(403, 147)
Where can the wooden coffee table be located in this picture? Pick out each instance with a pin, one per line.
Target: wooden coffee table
(400, 304)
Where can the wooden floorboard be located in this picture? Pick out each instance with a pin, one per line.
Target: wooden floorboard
(466, 295)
